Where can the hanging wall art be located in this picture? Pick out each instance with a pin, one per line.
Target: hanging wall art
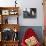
(30, 13)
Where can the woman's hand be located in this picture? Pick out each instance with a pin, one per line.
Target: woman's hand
(32, 41)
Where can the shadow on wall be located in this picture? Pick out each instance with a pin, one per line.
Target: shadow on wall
(37, 29)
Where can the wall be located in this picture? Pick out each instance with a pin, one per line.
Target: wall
(32, 4)
(27, 4)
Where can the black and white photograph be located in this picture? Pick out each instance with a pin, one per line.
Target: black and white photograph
(32, 13)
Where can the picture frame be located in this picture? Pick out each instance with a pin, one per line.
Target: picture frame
(13, 12)
(30, 13)
(5, 12)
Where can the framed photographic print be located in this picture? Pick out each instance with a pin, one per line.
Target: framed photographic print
(13, 12)
(30, 13)
(5, 12)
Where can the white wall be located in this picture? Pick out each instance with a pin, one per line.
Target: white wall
(7, 3)
(27, 4)
(32, 4)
